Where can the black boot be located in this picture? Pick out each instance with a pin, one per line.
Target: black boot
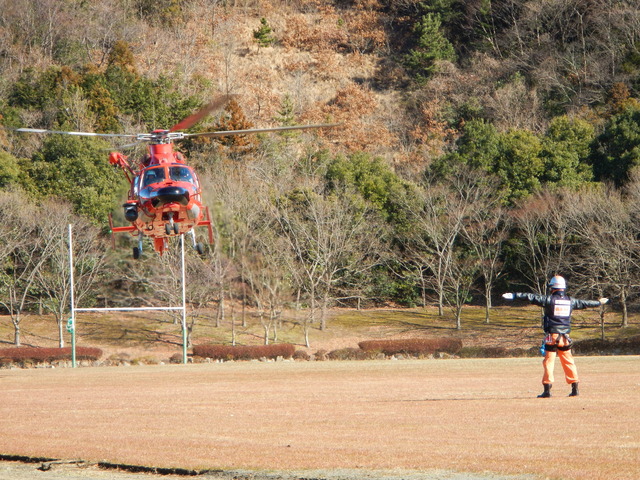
(574, 390)
(547, 391)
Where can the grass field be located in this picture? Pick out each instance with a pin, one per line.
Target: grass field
(409, 415)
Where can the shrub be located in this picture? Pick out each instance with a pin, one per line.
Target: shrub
(347, 354)
(244, 352)
(412, 346)
(622, 346)
(27, 355)
(176, 358)
(301, 355)
(320, 355)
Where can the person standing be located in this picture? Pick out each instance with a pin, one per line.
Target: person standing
(557, 326)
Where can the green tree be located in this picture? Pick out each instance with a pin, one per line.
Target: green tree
(478, 148)
(617, 149)
(9, 170)
(519, 164)
(565, 149)
(431, 46)
(263, 35)
(286, 114)
(76, 169)
(374, 180)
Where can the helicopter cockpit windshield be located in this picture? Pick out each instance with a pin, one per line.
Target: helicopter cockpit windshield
(181, 174)
(153, 175)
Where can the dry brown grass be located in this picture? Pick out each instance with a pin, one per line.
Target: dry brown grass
(464, 415)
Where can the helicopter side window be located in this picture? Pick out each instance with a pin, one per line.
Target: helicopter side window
(152, 176)
(136, 186)
(181, 174)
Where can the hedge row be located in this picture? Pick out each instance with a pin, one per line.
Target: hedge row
(623, 346)
(412, 346)
(244, 352)
(498, 352)
(41, 355)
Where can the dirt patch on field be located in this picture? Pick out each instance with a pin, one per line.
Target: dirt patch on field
(423, 418)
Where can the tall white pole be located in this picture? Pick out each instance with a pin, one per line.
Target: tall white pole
(184, 305)
(71, 326)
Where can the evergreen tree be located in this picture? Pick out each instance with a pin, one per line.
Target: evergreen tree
(565, 149)
(617, 149)
(477, 147)
(431, 46)
(263, 35)
(519, 164)
(9, 170)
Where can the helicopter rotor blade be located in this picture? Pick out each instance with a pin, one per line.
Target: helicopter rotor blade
(199, 115)
(227, 133)
(80, 134)
(131, 145)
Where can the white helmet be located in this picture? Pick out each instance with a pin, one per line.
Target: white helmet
(557, 283)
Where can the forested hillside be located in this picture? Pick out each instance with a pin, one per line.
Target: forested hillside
(482, 144)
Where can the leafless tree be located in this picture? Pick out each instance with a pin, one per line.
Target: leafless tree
(430, 246)
(486, 229)
(268, 276)
(543, 230)
(330, 236)
(607, 224)
(53, 280)
(22, 263)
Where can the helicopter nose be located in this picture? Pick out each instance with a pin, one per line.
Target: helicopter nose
(166, 195)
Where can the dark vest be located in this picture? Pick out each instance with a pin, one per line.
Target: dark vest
(557, 313)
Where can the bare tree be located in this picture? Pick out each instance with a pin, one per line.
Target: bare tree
(53, 280)
(609, 252)
(330, 237)
(23, 262)
(431, 244)
(543, 231)
(268, 277)
(486, 229)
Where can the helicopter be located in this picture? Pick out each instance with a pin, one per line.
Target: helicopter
(165, 196)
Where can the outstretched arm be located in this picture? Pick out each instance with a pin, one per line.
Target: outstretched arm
(530, 297)
(580, 304)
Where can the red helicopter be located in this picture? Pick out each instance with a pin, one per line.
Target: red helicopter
(165, 198)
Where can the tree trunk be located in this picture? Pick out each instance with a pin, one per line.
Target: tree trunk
(244, 305)
(323, 311)
(60, 333)
(273, 319)
(487, 297)
(16, 336)
(625, 313)
(233, 326)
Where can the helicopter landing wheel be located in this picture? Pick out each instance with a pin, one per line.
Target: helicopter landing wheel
(176, 228)
(167, 228)
(136, 253)
(199, 247)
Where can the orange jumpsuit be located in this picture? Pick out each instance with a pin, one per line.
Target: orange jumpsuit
(558, 343)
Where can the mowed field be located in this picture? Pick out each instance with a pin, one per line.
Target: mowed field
(464, 415)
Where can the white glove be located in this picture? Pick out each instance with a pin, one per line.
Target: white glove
(603, 300)
(507, 296)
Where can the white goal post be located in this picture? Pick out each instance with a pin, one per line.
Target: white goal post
(72, 321)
